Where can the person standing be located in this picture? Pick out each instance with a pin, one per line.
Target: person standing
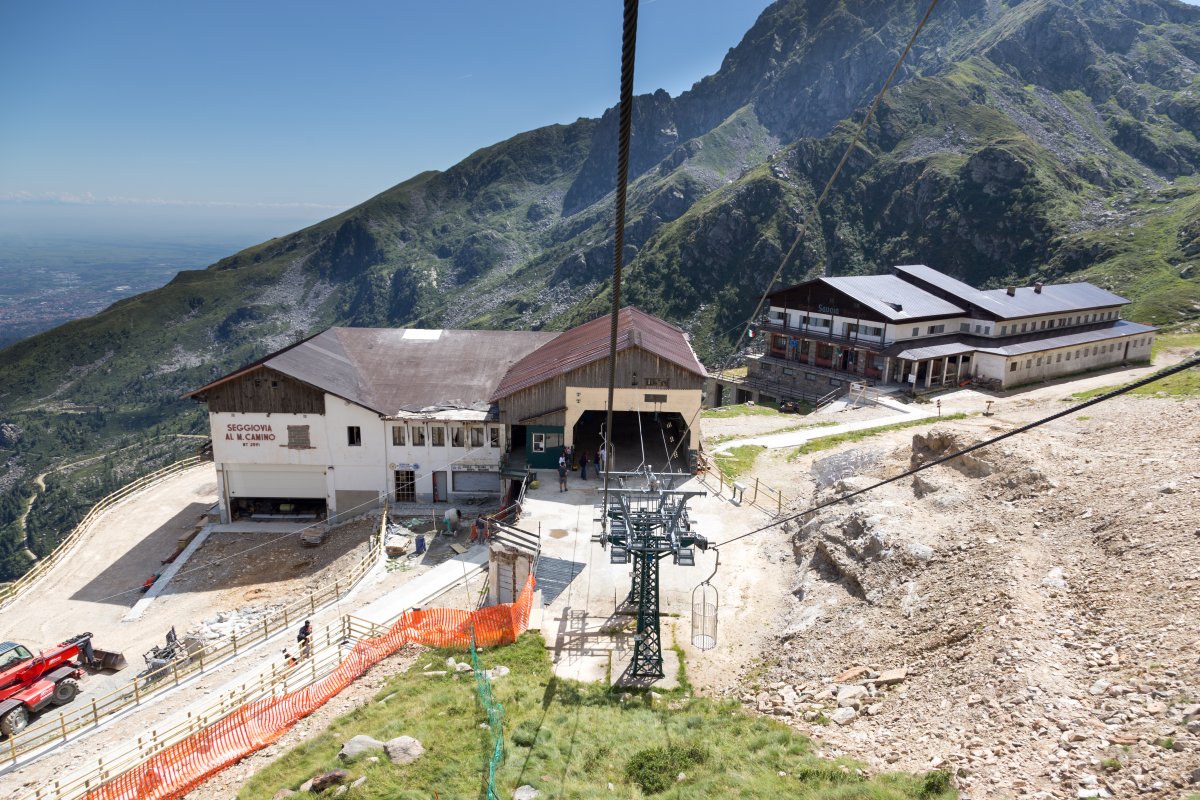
(583, 462)
(604, 458)
(596, 462)
(304, 639)
(562, 476)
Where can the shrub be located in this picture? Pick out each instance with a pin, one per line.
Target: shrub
(655, 768)
(935, 783)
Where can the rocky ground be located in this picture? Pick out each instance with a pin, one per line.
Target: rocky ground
(1026, 620)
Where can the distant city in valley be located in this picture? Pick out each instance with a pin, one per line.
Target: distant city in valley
(46, 282)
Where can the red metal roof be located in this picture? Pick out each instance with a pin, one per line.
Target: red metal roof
(590, 342)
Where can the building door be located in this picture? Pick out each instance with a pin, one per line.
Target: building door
(439, 487)
(406, 486)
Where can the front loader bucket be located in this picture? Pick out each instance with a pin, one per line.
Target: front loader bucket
(110, 660)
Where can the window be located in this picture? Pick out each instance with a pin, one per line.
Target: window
(298, 438)
(936, 328)
(1023, 326)
(539, 443)
(437, 435)
(1043, 325)
(1012, 366)
(965, 327)
(656, 398)
(418, 435)
(494, 436)
(764, 367)
(1039, 361)
(778, 342)
(1003, 329)
(1028, 363)
(406, 486)
(457, 437)
(354, 436)
(1057, 358)
(1068, 355)
(870, 330)
(476, 437)
(398, 437)
(916, 332)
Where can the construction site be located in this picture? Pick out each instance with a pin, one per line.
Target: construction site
(1020, 618)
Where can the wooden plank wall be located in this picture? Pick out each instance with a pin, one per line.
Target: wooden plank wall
(265, 391)
(548, 397)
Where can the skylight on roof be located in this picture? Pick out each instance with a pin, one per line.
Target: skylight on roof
(423, 334)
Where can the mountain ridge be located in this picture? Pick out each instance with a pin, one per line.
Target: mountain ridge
(1042, 139)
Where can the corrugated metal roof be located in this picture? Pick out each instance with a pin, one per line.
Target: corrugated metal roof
(883, 293)
(590, 342)
(1114, 330)
(394, 370)
(919, 353)
(1026, 302)
(956, 344)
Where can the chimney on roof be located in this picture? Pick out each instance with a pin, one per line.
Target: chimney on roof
(1012, 291)
(1037, 287)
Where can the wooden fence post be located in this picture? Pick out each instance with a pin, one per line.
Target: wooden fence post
(755, 498)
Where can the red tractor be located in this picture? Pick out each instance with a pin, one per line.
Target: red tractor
(29, 683)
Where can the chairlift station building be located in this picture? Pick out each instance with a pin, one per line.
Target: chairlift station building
(336, 422)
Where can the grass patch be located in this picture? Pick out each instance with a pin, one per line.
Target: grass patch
(838, 439)
(740, 410)
(1111, 765)
(1166, 742)
(1181, 384)
(737, 461)
(570, 740)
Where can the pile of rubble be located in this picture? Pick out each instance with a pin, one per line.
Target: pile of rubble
(227, 623)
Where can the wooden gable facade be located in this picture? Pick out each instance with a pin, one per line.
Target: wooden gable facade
(545, 403)
(265, 391)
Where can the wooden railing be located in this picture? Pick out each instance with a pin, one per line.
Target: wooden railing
(84, 715)
(11, 591)
(762, 496)
(281, 678)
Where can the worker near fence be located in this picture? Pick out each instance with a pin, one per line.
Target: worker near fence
(304, 639)
(450, 519)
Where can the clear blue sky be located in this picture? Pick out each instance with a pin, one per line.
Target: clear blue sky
(276, 114)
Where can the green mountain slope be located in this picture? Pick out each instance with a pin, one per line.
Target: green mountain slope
(1039, 139)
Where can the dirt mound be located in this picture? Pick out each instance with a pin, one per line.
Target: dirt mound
(1038, 597)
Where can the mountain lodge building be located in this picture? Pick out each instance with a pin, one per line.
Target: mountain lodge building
(922, 329)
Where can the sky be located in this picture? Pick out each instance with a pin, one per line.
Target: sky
(254, 118)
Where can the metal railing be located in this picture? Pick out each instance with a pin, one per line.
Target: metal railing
(11, 591)
(762, 496)
(79, 717)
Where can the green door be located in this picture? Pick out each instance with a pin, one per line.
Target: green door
(543, 445)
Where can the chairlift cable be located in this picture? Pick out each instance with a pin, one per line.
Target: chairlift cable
(628, 51)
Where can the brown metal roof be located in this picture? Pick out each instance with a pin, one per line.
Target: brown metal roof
(390, 370)
(590, 342)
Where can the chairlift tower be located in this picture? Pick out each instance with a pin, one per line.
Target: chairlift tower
(646, 521)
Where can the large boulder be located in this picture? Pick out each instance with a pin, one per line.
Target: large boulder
(404, 749)
(359, 746)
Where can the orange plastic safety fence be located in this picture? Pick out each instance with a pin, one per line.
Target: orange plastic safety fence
(187, 763)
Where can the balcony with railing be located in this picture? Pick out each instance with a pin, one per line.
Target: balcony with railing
(854, 338)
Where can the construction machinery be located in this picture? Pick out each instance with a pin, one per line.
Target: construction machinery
(29, 683)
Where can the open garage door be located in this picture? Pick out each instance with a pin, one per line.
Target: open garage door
(639, 438)
(281, 483)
